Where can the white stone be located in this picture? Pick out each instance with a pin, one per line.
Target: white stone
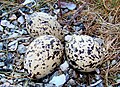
(1, 45)
(58, 80)
(28, 1)
(2, 63)
(21, 20)
(64, 66)
(1, 28)
(68, 38)
(14, 35)
(71, 6)
(11, 26)
(56, 11)
(118, 80)
(13, 45)
(5, 23)
(13, 17)
(21, 48)
(3, 80)
(113, 62)
(23, 31)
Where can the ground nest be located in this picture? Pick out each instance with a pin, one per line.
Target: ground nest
(100, 19)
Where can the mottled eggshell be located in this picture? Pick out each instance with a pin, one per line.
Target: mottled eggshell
(40, 23)
(83, 52)
(43, 55)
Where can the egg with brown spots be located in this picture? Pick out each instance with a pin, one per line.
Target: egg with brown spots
(43, 55)
(40, 23)
(83, 52)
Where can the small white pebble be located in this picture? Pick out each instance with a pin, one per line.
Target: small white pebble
(98, 71)
(56, 11)
(118, 81)
(2, 75)
(64, 66)
(28, 1)
(11, 26)
(96, 83)
(2, 63)
(58, 80)
(1, 45)
(71, 6)
(21, 20)
(1, 28)
(21, 48)
(5, 23)
(13, 17)
(97, 77)
(23, 31)
(6, 84)
(10, 66)
(68, 38)
(10, 81)
(81, 76)
(13, 45)
(72, 81)
(1, 54)
(3, 80)
(14, 35)
(113, 62)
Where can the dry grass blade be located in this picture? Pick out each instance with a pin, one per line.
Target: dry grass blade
(109, 43)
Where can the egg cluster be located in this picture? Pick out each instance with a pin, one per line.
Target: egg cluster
(45, 53)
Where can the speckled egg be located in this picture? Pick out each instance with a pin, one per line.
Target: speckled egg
(83, 52)
(43, 55)
(40, 23)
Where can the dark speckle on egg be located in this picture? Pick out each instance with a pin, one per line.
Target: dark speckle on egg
(45, 56)
(85, 54)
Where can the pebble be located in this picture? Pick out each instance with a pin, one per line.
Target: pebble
(79, 28)
(96, 83)
(21, 20)
(56, 11)
(15, 22)
(11, 66)
(11, 26)
(10, 81)
(22, 31)
(118, 81)
(13, 17)
(1, 54)
(1, 45)
(98, 71)
(64, 66)
(97, 77)
(65, 11)
(5, 23)
(13, 45)
(3, 80)
(70, 5)
(81, 76)
(113, 62)
(13, 35)
(21, 48)
(71, 81)
(68, 38)
(2, 75)
(58, 80)
(6, 84)
(2, 64)
(1, 28)
(28, 1)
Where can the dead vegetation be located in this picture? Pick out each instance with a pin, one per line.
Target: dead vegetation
(100, 17)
